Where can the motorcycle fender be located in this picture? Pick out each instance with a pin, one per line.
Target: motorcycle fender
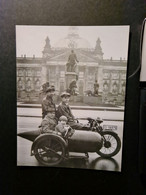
(46, 135)
(108, 130)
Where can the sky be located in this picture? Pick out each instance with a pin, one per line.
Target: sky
(30, 40)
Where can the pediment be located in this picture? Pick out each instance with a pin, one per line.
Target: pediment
(81, 56)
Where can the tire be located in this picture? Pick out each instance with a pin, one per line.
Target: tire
(49, 150)
(112, 145)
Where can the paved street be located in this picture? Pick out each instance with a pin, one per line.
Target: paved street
(27, 123)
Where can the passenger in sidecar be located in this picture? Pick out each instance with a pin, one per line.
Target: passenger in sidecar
(63, 129)
(49, 122)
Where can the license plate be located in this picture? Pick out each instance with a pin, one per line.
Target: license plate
(110, 127)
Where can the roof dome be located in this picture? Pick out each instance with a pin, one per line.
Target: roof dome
(73, 40)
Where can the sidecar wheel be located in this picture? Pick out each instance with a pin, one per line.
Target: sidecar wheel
(111, 146)
(49, 151)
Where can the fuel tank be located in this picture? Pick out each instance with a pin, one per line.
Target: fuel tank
(85, 141)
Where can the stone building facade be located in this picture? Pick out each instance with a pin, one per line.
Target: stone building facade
(33, 72)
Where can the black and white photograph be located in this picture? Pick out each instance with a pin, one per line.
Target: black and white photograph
(71, 89)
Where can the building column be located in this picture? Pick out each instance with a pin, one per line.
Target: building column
(100, 79)
(86, 78)
(57, 78)
(44, 74)
(96, 73)
(120, 81)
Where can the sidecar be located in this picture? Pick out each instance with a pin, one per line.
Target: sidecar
(50, 149)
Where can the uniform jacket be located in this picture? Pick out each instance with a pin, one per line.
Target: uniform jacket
(48, 106)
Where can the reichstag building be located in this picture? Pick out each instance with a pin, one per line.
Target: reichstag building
(33, 72)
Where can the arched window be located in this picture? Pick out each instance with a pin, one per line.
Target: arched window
(123, 88)
(20, 85)
(105, 86)
(37, 85)
(28, 85)
(115, 88)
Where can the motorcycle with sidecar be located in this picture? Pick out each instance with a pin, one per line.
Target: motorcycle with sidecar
(50, 148)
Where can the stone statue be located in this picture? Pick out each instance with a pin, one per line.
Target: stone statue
(96, 87)
(72, 88)
(44, 87)
(71, 64)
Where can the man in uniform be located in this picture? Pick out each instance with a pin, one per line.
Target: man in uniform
(48, 111)
(47, 104)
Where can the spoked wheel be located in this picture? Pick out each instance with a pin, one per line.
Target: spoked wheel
(49, 150)
(111, 144)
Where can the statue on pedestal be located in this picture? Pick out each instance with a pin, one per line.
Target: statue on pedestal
(72, 74)
(96, 87)
(72, 88)
(44, 87)
(71, 64)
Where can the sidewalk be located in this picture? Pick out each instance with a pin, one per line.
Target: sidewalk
(104, 108)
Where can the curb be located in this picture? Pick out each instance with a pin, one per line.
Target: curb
(120, 109)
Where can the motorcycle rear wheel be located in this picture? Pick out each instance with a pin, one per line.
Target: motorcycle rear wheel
(111, 145)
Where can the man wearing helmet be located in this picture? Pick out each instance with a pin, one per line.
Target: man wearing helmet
(48, 106)
(48, 111)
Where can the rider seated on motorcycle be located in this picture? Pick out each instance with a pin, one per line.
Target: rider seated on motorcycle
(65, 110)
(63, 129)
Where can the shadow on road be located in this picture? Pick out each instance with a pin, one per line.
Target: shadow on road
(99, 163)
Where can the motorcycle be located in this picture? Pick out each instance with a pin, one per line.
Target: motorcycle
(50, 148)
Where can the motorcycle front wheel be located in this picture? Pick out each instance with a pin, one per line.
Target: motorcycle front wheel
(111, 144)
